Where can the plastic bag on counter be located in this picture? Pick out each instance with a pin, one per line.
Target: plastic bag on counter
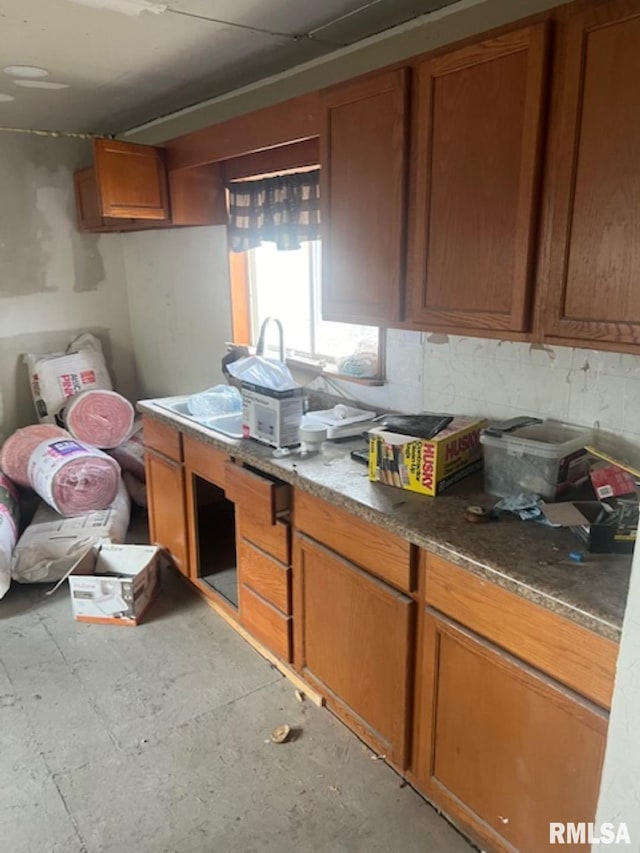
(265, 372)
(219, 400)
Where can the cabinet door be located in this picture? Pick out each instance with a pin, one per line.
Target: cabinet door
(475, 179)
(363, 183)
(592, 232)
(87, 201)
(198, 196)
(500, 747)
(352, 639)
(165, 495)
(132, 180)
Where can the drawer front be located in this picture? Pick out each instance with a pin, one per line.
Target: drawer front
(553, 644)
(164, 439)
(205, 461)
(264, 575)
(366, 545)
(275, 539)
(257, 494)
(266, 623)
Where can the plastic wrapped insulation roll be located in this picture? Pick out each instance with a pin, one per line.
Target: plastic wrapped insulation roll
(130, 454)
(73, 477)
(8, 530)
(51, 545)
(15, 452)
(101, 418)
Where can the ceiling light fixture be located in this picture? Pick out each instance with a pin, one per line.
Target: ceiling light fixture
(40, 84)
(4, 97)
(127, 7)
(29, 71)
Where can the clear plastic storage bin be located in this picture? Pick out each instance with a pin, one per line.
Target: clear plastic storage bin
(546, 458)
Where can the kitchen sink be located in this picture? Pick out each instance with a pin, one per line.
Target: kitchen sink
(229, 425)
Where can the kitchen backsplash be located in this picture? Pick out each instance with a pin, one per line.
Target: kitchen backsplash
(500, 379)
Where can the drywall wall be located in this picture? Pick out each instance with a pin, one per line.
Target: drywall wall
(54, 281)
(501, 379)
(421, 35)
(178, 285)
(620, 785)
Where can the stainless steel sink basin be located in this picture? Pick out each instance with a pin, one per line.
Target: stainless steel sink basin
(229, 425)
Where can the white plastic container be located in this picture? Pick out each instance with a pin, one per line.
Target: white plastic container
(546, 459)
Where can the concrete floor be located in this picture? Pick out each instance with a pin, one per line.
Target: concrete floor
(156, 739)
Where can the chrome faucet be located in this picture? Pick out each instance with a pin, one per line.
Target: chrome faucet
(262, 335)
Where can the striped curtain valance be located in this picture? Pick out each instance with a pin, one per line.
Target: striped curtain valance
(284, 209)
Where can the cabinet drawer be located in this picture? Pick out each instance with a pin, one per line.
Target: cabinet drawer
(256, 493)
(568, 652)
(265, 576)
(275, 539)
(366, 545)
(205, 461)
(267, 624)
(164, 439)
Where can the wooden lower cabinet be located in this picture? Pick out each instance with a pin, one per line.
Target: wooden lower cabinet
(267, 624)
(166, 499)
(353, 642)
(500, 747)
(265, 595)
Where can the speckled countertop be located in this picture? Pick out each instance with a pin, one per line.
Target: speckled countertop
(524, 557)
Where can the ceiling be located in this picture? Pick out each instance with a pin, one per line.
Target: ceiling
(120, 66)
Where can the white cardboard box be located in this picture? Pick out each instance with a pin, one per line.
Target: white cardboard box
(272, 417)
(115, 584)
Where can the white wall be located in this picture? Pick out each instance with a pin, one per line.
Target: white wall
(620, 786)
(500, 379)
(54, 281)
(178, 285)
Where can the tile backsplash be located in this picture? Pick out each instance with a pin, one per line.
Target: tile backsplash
(501, 379)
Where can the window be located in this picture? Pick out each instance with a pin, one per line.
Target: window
(286, 285)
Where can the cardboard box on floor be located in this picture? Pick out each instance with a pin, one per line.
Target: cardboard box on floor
(115, 584)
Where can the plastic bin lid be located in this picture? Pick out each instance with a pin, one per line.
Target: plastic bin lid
(551, 439)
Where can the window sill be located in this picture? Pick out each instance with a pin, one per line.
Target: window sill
(311, 370)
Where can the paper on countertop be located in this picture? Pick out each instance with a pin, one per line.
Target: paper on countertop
(340, 415)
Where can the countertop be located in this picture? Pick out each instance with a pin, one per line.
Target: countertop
(527, 558)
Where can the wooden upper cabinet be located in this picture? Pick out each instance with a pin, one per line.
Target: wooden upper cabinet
(476, 151)
(592, 234)
(363, 152)
(132, 180)
(87, 202)
(126, 190)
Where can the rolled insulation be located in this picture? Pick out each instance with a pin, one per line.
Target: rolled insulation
(51, 545)
(8, 529)
(101, 418)
(73, 477)
(130, 454)
(15, 452)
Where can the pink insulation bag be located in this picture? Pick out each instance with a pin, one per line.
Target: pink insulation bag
(73, 477)
(101, 418)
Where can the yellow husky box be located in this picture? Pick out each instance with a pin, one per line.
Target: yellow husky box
(427, 466)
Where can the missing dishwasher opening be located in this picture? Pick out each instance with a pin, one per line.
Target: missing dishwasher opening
(216, 540)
